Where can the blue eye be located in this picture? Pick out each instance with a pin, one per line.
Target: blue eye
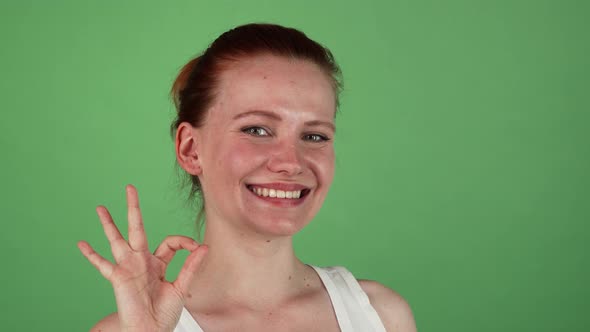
(255, 131)
(315, 138)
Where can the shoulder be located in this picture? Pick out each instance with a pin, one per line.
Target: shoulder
(392, 308)
(108, 324)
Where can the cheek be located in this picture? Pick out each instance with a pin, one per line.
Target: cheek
(240, 157)
(324, 161)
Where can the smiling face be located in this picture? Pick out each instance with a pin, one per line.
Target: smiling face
(268, 133)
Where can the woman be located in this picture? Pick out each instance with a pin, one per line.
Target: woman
(255, 133)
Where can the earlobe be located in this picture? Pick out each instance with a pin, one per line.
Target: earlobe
(187, 153)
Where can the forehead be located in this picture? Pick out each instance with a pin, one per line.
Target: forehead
(279, 84)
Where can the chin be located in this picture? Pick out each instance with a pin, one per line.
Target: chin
(279, 226)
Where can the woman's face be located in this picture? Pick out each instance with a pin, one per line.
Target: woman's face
(266, 147)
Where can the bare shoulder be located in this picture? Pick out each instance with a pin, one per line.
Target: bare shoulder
(108, 324)
(392, 308)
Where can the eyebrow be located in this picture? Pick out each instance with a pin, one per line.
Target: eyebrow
(267, 114)
(321, 123)
(276, 117)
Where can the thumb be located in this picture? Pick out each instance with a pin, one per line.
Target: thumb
(190, 267)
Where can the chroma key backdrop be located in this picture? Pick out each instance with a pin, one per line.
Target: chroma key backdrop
(463, 151)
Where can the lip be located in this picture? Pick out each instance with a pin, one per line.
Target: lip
(281, 202)
(279, 186)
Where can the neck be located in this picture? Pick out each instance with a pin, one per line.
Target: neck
(248, 269)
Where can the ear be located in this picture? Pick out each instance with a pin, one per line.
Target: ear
(187, 152)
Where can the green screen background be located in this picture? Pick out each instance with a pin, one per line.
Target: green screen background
(463, 152)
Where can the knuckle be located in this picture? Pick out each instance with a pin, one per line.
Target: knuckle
(118, 242)
(173, 239)
(136, 226)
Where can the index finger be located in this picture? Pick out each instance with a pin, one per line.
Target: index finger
(137, 237)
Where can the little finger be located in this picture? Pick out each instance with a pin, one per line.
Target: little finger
(102, 265)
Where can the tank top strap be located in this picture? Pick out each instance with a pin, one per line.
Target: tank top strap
(333, 285)
(351, 304)
(187, 323)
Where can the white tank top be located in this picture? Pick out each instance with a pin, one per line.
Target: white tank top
(351, 304)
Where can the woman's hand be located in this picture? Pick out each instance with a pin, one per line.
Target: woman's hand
(145, 300)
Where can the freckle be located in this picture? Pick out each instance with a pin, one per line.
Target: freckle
(190, 295)
(267, 240)
(307, 285)
(264, 77)
(270, 313)
(289, 277)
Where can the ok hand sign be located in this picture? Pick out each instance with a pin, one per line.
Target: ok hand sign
(146, 301)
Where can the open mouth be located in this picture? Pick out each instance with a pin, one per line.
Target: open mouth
(277, 193)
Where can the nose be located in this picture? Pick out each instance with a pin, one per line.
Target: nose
(285, 159)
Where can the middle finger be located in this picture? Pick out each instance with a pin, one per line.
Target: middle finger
(137, 237)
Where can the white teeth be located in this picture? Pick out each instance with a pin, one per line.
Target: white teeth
(266, 192)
